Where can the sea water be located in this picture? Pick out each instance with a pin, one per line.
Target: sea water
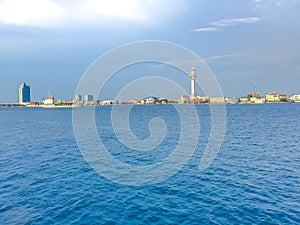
(255, 178)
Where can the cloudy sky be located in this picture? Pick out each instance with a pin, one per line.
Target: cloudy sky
(249, 44)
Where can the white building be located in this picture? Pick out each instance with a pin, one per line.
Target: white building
(295, 98)
(49, 100)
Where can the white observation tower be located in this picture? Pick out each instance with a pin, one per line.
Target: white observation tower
(193, 78)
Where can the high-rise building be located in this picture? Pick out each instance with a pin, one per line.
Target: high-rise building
(88, 98)
(78, 98)
(24, 93)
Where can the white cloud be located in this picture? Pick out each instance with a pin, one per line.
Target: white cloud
(236, 21)
(226, 56)
(49, 12)
(205, 29)
(29, 12)
(129, 9)
(270, 3)
(227, 23)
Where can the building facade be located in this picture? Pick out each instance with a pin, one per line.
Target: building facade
(295, 98)
(88, 98)
(49, 100)
(78, 98)
(24, 93)
(217, 100)
(275, 97)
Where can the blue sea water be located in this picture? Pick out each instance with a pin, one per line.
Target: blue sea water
(255, 178)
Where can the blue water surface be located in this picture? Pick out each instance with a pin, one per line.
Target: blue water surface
(255, 178)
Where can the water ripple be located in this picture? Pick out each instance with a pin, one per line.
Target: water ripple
(255, 179)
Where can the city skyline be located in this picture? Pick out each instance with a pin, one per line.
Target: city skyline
(52, 43)
(191, 98)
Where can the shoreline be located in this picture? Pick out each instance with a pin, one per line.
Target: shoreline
(15, 105)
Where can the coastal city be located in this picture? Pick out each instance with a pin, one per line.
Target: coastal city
(179, 112)
(192, 98)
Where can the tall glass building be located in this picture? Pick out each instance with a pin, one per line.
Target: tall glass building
(24, 93)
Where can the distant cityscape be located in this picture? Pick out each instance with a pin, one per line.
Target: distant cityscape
(192, 98)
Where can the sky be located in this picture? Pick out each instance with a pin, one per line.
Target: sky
(249, 45)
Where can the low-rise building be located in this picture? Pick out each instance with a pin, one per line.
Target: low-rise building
(163, 101)
(272, 97)
(275, 97)
(283, 98)
(254, 95)
(231, 100)
(295, 98)
(257, 100)
(151, 100)
(48, 101)
(32, 104)
(139, 102)
(203, 99)
(243, 100)
(107, 102)
(184, 99)
(217, 100)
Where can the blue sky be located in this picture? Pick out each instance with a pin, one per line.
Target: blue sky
(247, 44)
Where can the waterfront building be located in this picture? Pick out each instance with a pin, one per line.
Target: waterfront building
(88, 98)
(184, 99)
(163, 101)
(151, 100)
(49, 100)
(295, 98)
(173, 101)
(78, 98)
(275, 97)
(32, 104)
(257, 100)
(203, 99)
(217, 100)
(272, 97)
(283, 98)
(139, 102)
(24, 93)
(254, 95)
(59, 102)
(231, 101)
(243, 100)
(107, 102)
